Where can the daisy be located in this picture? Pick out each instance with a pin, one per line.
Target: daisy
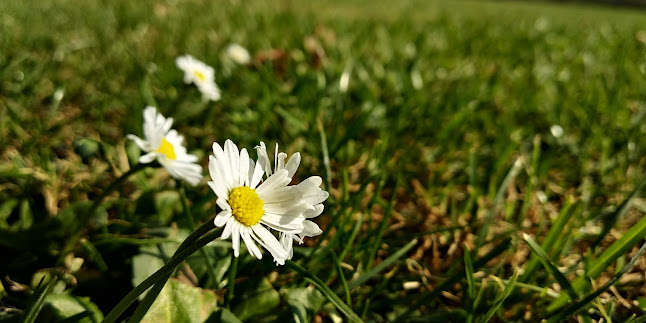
(199, 74)
(250, 206)
(313, 195)
(165, 145)
(239, 54)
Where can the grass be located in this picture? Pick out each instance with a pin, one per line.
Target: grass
(444, 139)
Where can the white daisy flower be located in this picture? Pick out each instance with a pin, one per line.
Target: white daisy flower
(201, 75)
(313, 195)
(251, 207)
(165, 145)
(239, 54)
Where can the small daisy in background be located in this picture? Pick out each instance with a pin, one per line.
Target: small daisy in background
(251, 206)
(166, 146)
(310, 189)
(201, 75)
(238, 54)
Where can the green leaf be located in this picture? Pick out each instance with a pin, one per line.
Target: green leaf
(153, 257)
(550, 240)
(223, 315)
(65, 306)
(180, 302)
(501, 298)
(616, 250)
(549, 266)
(264, 299)
(468, 267)
(381, 266)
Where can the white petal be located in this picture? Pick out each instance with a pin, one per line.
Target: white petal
(228, 228)
(246, 232)
(235, 239)
(287, 242)
(218, 179)
(270, 243)
(318, 209)
(147, 158)
(222, 218)
(231, 150)
(222, 203)
(256, 176)
(281, 194)
(291, 225)
(311, 185)
(263, 158)
(191, 173)
(276, 180)
(142, 144)
(317, 198)
(280, 160)
(292, 164)
(288, 208)
(310, 229)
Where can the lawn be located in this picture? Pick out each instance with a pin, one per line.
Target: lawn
(484, 159)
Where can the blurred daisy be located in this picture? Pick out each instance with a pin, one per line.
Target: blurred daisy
(313, 195)
(239, 54)
(251, 207)
(165, 145)
(199, 74)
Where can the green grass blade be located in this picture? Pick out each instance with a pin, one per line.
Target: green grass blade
(610, 220)
(616, 250)
(501, 298)
(381, 266)
(468, 267)
(550, 240)
(344, 283)
(549, 266)
(40, 294)
(455, 277)
(382, 225)
(513, 171)
(591, 296)
(331, 296)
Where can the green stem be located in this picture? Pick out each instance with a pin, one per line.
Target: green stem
(187, 211)
(231, 281)
(187, 248)
(152, 294)
(332, 297)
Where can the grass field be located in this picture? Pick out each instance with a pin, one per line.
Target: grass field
(485, 160)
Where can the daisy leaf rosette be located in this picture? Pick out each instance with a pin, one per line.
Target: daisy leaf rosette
(200, 74)
(310, 189)
(165, 145)
(250, 206)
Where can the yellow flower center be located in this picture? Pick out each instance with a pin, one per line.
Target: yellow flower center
(166, 149)
(200, 75)
(246, 205)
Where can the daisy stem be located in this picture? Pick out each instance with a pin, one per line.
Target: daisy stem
(187, 212)
(331, 296)
(193, 242)
(152, 294)
(231, 280)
